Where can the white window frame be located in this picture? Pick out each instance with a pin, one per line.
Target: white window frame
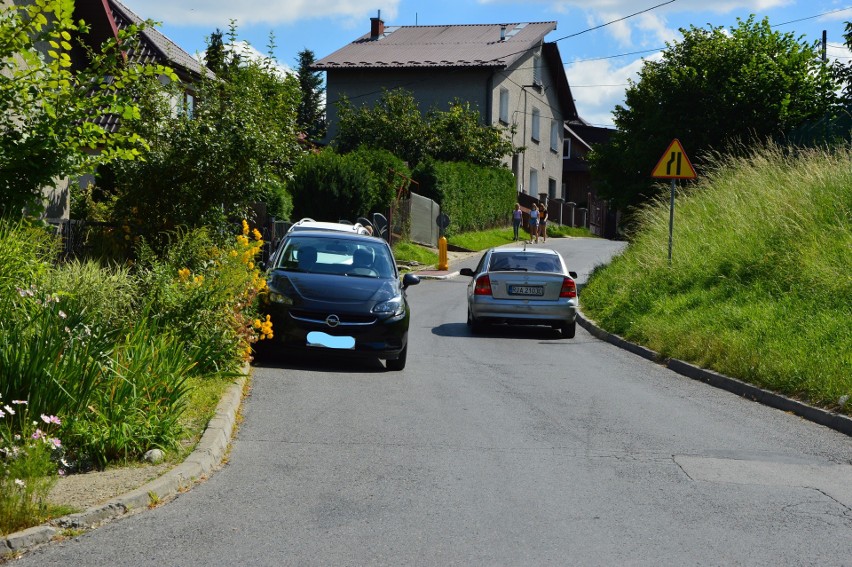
(504, 105)
(535, 128)
(554, 136)
(537, 70)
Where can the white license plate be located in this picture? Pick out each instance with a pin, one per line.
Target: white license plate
(526, 290)
(324, 340)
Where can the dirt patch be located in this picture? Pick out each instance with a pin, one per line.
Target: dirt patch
(85, 490)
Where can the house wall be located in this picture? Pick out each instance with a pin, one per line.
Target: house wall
(524, 98)
(435, 87)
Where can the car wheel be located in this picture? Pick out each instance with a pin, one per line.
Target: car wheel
(474, 325)
(569, 330)
(398, 363)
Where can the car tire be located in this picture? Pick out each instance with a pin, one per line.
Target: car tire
(475, 326)
(398, 363)
(568, 330)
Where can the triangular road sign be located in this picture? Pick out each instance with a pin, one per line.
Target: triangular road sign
(674, 164)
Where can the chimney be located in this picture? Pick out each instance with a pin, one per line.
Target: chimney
(377, 27)
(502, 33)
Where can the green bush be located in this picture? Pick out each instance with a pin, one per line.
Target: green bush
(759, 285)
(110, 348)
(328, 186)
(391, 174)
(473, 196)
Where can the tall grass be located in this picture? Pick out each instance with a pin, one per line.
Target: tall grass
(760, 284)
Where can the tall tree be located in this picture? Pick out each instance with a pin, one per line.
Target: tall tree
(49, 110)
(237, 148)
(712, 90)
(311, 108)
(214, 56)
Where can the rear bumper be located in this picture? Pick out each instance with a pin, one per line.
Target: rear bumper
(485, 308)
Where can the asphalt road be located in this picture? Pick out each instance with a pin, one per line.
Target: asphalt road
(515, 447)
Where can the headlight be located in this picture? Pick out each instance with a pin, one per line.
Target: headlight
(393, 307)
(279, 298)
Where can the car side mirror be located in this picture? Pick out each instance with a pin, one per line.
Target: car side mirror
(409, 279)
(573, 274)
(466, 272)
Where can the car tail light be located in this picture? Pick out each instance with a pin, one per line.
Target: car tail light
(483, 286)
(569, 288)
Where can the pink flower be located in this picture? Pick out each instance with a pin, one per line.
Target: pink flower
(50, 419)
(56, 442)
(38, 434)
(2, 413)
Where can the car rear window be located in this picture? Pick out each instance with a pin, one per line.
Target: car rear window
(524, 261)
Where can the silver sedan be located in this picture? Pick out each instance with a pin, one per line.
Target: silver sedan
(520, 285)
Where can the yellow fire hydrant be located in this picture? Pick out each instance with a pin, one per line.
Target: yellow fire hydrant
(443, 262)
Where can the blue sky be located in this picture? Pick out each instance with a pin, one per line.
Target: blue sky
(598, 62)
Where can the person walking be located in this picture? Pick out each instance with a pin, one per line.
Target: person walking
(534, 223)
(517, 218)
(542, 222)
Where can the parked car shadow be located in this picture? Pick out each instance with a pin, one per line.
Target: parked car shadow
(317, 362)
(532, 332)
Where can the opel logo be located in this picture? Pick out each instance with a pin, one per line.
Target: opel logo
(332, 320)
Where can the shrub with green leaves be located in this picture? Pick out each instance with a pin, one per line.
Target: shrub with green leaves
(329, 186)
(474, 197)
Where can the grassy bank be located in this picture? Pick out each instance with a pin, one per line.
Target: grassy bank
(760, 286)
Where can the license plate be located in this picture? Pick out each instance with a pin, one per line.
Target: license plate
(324, 340)
(526, 290)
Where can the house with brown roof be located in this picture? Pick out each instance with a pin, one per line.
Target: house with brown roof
(105, 18)
(506, 71)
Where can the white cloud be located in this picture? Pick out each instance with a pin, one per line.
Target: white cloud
(245, 12)
(247, 51)
(597, 86)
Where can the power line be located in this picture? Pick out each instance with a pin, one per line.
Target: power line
(813, 17)
(616, 21)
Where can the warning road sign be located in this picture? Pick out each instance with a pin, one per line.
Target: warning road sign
(674, 164)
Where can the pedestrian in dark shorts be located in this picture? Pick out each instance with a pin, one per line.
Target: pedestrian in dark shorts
(542, 222)
(534, 223)
(517, 218)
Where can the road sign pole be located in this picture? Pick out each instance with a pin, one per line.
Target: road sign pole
(671, 220)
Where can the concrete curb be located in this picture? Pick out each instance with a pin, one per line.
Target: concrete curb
(829, 419)
(206, 456)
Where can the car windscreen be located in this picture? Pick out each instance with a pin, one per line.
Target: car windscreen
(524, 262)
(336, 256)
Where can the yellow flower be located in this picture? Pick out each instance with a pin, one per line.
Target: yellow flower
(257, 234)
(199, 279)
(183, 274)
(243, 240)
(245, 228)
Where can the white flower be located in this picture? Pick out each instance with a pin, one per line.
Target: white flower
(20, 482)
(9, 410)
(62, 314)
